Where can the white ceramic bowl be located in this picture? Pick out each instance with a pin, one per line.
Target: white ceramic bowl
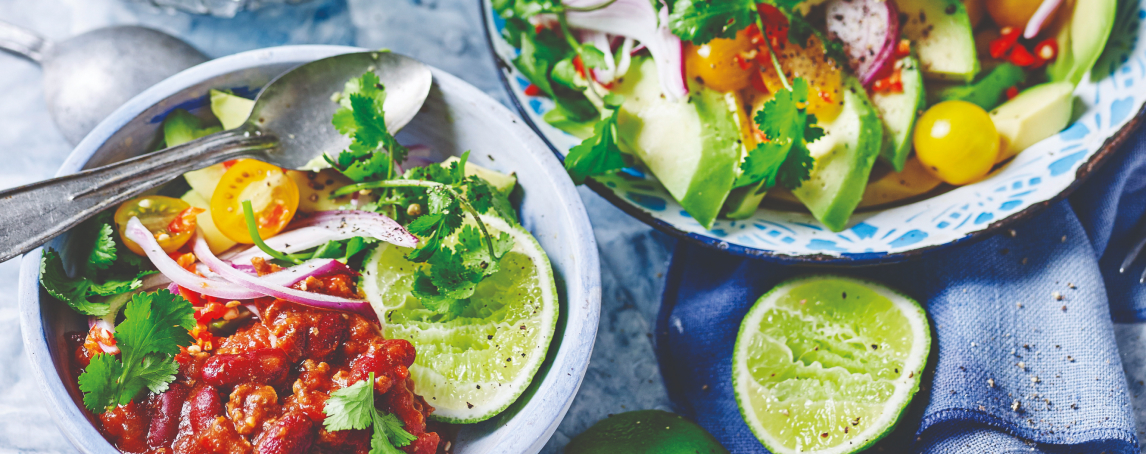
(456, 117)
(1107, 109)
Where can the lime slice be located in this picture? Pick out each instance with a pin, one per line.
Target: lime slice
(828, 364)
(645, 432)
(473, 366)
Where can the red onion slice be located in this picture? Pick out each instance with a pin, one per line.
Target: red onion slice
(639, 20)
(1040, 18)
(266, 287)
(869, 30)
(326, 226)
(140, 235)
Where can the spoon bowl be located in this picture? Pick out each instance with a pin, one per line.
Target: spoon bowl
(88, 76)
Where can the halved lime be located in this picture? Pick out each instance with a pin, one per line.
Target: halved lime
(827, 364)
(473, 366)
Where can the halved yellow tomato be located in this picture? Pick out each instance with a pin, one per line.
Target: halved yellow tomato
(273, 196)
(824, 81)
(170, 220)
(722, 64)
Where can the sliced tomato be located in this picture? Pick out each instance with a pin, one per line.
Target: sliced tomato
(273, 195)
(170, 220)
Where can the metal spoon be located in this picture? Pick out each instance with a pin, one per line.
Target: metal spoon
(88, 76)
(289, 126)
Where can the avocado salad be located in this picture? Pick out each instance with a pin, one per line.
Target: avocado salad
(830, 104)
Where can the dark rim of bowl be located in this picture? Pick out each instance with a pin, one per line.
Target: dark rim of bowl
(1100, 157)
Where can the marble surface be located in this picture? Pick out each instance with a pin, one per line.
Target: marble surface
(623, 374)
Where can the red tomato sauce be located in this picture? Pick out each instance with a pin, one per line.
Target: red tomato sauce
(263, 388)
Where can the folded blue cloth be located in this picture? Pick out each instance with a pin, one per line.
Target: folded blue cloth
(994, 315)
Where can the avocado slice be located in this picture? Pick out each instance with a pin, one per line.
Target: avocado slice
(941, 31)
(844, 158)
(1084, 27)
(986, 92)
(1035, 114)
(231, 110)
(742, 202)
(899, 111)
(692, 146)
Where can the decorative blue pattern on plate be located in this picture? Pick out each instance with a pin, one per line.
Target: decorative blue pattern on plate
(1038, 174)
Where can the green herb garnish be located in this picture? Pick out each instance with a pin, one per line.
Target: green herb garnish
(783, 159)
(154, 326)
(253, 230)
(352, 408)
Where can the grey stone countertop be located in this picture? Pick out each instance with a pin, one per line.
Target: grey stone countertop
(623, 374)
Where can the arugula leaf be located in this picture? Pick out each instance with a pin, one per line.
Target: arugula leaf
(599, 154)
(105, 272)
(352, 408)
(700, 21)
(155, 326)
(784, 158)
(72, 291)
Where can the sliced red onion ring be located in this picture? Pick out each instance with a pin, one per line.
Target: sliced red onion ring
(138, 233)
(626, 57)
(104, 324)
(601, 42)
(638, 19)
(1040, 18)
(265, 287)
(315, 267)
(326, 226)
(869, 31)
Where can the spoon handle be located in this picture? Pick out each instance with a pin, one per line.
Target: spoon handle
(22, 41)
(35, 213)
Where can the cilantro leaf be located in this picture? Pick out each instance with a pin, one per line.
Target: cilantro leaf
(363, 119)
(103, 254)
(155, 326)
(97, 382)
(352, 408)
(700, 21)
(394, 430)
(784, 158)
(599, 154)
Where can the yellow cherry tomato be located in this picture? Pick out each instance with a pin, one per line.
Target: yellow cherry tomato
(956, 141)
(170, 220)
(824, 81)
(1012, 13)
(273, 195)
(722, 64)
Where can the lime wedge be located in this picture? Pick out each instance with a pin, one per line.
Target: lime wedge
(827, 364)
(471, 367)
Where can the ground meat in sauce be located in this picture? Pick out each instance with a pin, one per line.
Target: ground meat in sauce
(263, 389)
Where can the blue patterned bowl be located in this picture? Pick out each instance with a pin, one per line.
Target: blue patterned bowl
(1108, 109)
(456, 117)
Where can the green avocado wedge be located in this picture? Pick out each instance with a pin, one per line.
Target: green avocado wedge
(693, 146)
(1084, 27)
(844, 158)
(899, 111)
(942, 34)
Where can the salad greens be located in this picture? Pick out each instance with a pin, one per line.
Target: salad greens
(352, 408)
(155, 325)
(105, 272)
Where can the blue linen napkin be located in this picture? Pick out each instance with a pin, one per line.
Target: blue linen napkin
(994, 315)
